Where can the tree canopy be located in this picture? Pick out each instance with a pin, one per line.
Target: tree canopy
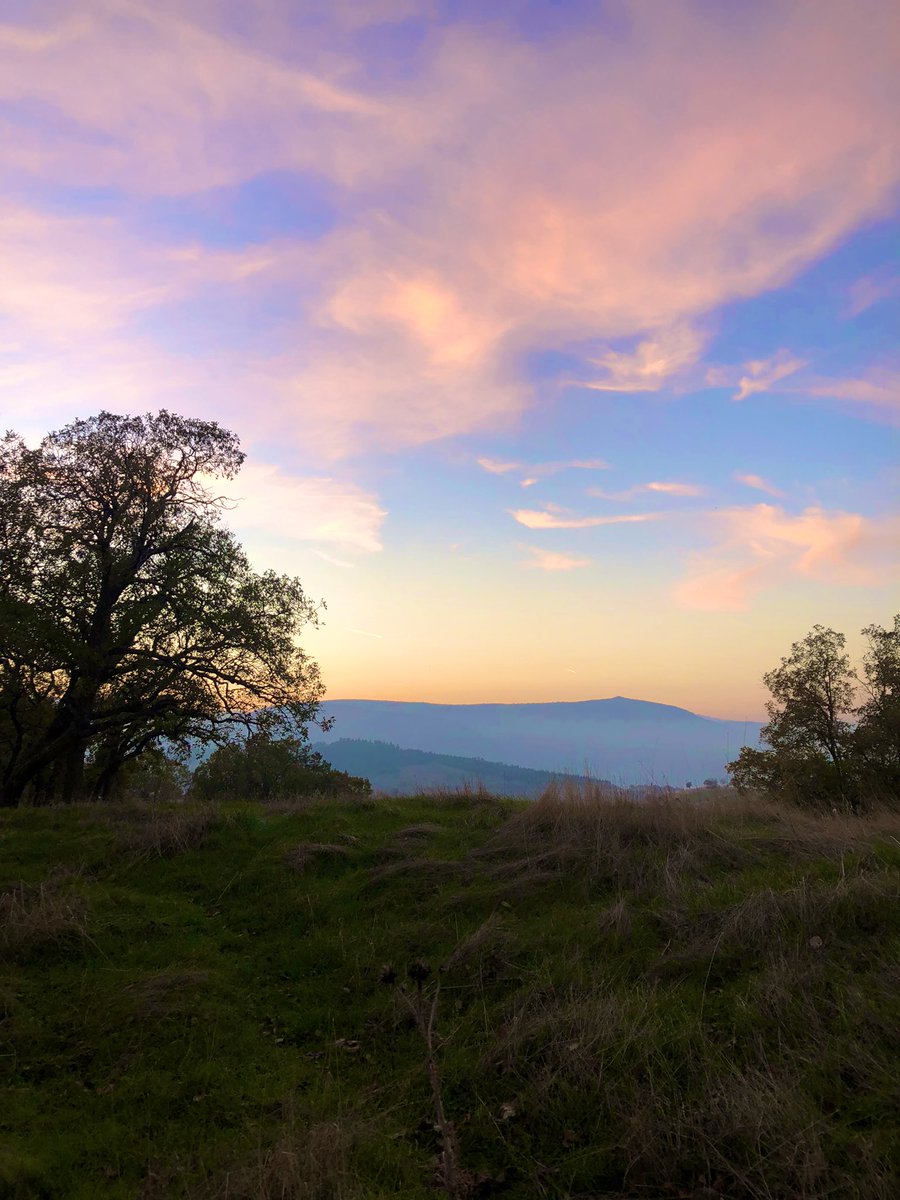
(130, 617)
(824, 748)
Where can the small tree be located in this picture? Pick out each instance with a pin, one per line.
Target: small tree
(266, 768)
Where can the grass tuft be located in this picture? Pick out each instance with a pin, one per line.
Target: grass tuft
(304, 854)
(162, 832)
(32, 918)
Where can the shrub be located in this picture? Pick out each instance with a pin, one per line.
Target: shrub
(265, 768)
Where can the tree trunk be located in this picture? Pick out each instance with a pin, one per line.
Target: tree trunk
(71, 773)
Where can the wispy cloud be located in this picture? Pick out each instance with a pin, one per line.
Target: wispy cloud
(758, 483)
(761, 546)
(676, 489)
(537, 471)
(761, 375)
(552, 560)
(650, 365)
(664, 488)
(493, 467)
(542, 519)
(871, 289)
(877, 389)
(335, 562)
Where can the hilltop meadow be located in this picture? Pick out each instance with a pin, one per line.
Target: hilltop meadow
(261, 981)
(347, 999)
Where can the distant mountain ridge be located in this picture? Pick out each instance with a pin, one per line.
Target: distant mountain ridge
(405, 772)
(624, 740)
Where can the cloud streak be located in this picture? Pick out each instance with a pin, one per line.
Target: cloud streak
(538, 519)
(537, 471)
(877, 390)
(553, 560)
(758, 484)
(660, 487)
(763, 374)
(650, 365)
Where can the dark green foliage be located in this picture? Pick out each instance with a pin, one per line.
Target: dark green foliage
(679, 1000)
(824, 750)
(151, 776)
(878, 734)
(267, 768)
(129, 616)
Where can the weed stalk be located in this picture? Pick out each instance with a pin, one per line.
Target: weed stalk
(424, 1008)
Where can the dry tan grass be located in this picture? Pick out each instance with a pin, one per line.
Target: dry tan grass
(604, 839)
(617, 918)
(470, 795)
(598, 835)
(308, 1161)
(676, 1105)
(749, 1133)
(423, 830)
(483, 957)
(560, 1036)
(165, 832)
(32, 917)
(165, 993)
(816, 911)
(302, 856)
(428, 871)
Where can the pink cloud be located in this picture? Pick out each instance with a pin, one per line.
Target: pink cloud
(541, 470)
(758, 483)
(761, 546)
(647, 368)
(877, 390)
(537, 519)
(552, 560)
(663, 488)
(676, 489)
(763, 374)
(871, 289)
(494, 467)
(715, 587)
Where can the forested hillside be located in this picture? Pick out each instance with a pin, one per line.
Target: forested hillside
(392, 769)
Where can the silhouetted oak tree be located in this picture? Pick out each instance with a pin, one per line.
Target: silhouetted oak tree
(128, 613)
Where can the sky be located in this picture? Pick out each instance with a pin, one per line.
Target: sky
(561, 337)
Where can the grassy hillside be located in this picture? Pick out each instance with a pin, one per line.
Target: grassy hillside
(407, 772)
(675, 999)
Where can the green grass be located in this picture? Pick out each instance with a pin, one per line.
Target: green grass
(669, 999)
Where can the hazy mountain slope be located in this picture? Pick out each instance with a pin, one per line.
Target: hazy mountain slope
(409, 772)
(627, 741)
